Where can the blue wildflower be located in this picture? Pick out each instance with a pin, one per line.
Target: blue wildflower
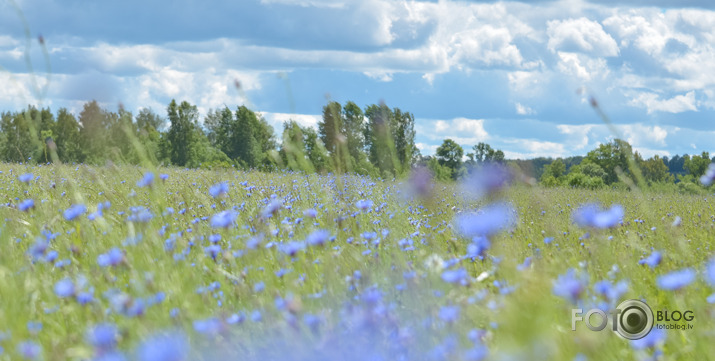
(364, 204)
(291, 248)
(26, 205)
(103, 336)
(569, 286)
(486, 222)
(74, 211)
(114, 257)
(163, 176)
(589, 215)
(655, 337)
(318, 238)
(213, 250)
(29, 350)
(312, 213)
(272, 208)
(164, 347)
(147, 180)
(487, 179)
(449, 313)
(25, 178)
(223, 219)
(709, 176)
(652, 260)
(64, 288)
(459, 275)
(218, 189)
(676, 280)
(710, 272)
(209, 326)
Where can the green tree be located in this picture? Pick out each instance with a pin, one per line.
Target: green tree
(697, 164)
(610, 157)
(67, 137)
(655, 170)
(182, 132)
(378, 135)
(93, 133)
(449, 155)
(330, 128)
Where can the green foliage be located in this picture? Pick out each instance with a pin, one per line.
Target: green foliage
(449, 155)
(697, 164)
(611, 157)
(440, 172)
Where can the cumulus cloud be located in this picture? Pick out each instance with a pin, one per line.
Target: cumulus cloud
(580, 35)
(677, 104)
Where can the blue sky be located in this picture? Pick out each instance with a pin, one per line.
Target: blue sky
(516, 75)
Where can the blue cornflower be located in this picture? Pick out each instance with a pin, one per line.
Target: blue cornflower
(29, 350)
(147, 180)
(525, 265)
(272, 208)
(710, 272)
(477, 353)
(569, 286)
(213, 250)
(611, 292)
(709, 176)
(318, 238)
(589, 215)
(223, 219)
(291, 248)
(64, 288)
(165, 347)
(218, 189)
(140, 214)
(478, 247)
(486, 222)
(651, 340)
(209, 326)
(364, 204)
(459, 275)
(489, 178)
(26, 205)
(25, 178)
(102, 336)
(449, 313)
(163, 176)
(676, 280)
(74, 211)
(259, 287)
(312, 213)
(114, 257)
(652, 260)
(420, 183)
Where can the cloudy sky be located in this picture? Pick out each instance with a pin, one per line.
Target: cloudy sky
(517, 75)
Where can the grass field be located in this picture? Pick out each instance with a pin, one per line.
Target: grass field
(305, 267)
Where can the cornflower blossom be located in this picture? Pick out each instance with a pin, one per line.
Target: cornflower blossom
(676, 280)
(589, 215)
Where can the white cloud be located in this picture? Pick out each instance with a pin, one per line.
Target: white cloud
(580, 35)
(653, 103)
(529, 148)
(523, 109)
(578, 134)
(471, 127)
(582, 67)
(276, 120)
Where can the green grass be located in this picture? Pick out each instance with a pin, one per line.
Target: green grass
(529, 323)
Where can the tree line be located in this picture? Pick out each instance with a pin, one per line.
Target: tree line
(377, 140)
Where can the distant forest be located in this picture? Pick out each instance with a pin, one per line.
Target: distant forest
(375, 140)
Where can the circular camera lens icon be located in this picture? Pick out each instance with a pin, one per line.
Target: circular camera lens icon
(635, 319)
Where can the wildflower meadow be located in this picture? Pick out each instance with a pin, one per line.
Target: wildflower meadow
(168, 264)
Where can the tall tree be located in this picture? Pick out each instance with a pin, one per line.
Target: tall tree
(181, 134)
(93, 134)
(380, 145)
(611, 156)
(449, 155)
(330, 128)
(67, 137)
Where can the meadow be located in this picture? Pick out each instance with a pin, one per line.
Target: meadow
(128, 263)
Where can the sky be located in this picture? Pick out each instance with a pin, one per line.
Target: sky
(517, 75)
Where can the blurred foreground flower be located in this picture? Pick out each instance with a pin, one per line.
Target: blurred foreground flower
(709, 176)
(589, 215)
(486, 179)
(676, 280)
(485, 222)
(569, 286)
(74, 211)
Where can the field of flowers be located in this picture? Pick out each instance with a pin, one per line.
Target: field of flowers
(124, 263)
